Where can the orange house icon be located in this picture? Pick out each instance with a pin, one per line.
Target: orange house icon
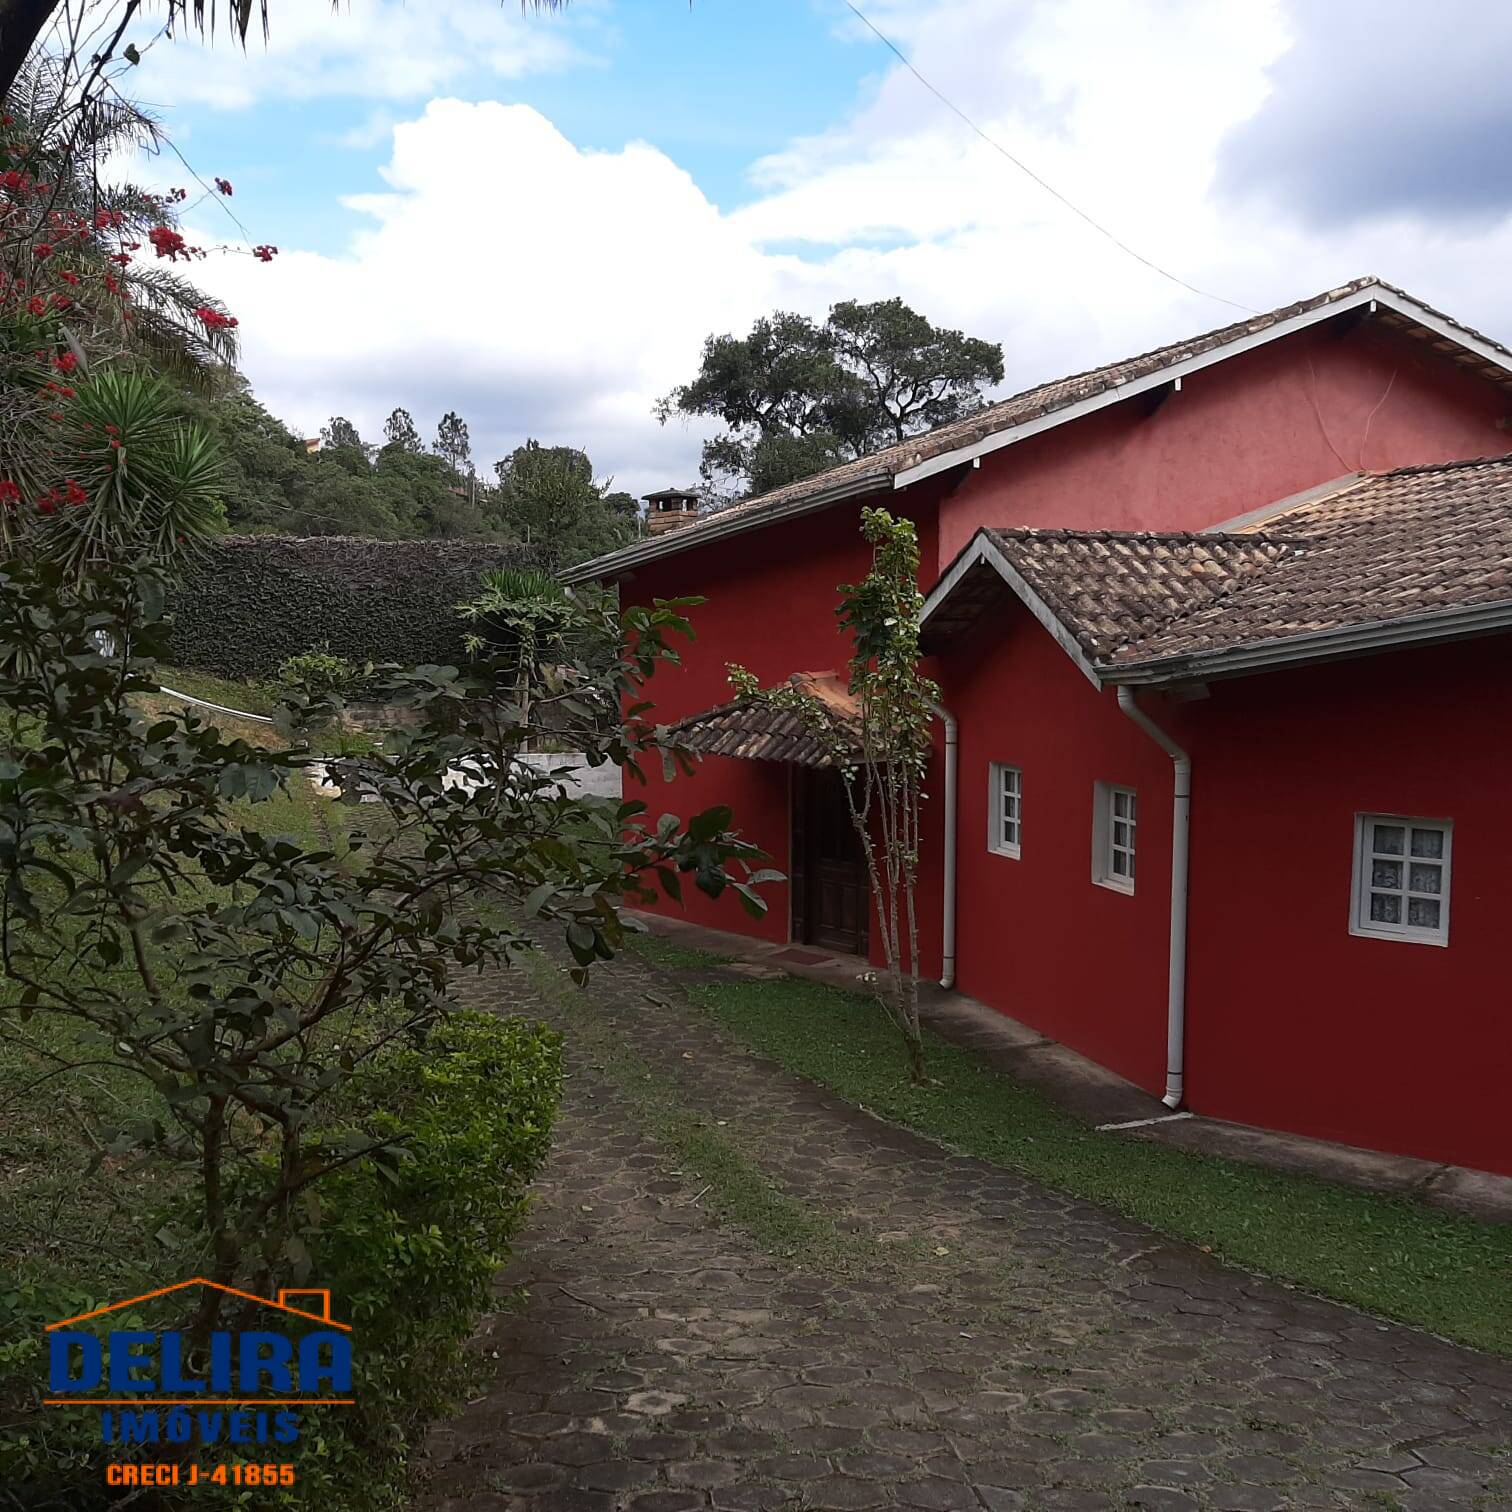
(322, 1301)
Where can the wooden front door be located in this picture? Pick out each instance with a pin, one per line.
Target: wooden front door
(831, 904)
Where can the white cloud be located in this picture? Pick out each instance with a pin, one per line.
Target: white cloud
(545, 290)
(537, 289)
(378, 49)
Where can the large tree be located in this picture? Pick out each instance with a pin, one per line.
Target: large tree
(916, 375)
(797, 396)
(547, 496)
(452, 444)
(340, 433)
(399, 430)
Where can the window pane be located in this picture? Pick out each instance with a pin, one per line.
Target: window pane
(1132, 801)
(1423, 876)
(1121, 804)
(1386, 874)
(1423, 913)
(1385, 908)
(1121, 864)
(1428, 842)
(1131, 866)
(1388, 839)
(1120, 834)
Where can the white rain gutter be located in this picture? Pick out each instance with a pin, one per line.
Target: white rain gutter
(1181, 812)
(948, 930)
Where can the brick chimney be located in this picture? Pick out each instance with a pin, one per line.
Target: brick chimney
(670, 509)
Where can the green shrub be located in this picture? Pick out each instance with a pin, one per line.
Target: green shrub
(318, 672)
(410, 1255)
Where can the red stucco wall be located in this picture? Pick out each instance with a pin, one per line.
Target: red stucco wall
(1036, 937)
(770, 600)
(1238, 436)
(1293, 1022)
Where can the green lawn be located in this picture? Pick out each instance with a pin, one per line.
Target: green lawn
(1387, 1255)
(250, 698)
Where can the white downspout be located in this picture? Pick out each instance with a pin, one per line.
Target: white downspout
(1181, 813)
(948, 930)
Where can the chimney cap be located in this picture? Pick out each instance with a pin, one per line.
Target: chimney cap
(671, 493)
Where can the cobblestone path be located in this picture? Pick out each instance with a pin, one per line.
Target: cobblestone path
(935, 1333)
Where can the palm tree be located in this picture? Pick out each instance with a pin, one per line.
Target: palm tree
(22, 22)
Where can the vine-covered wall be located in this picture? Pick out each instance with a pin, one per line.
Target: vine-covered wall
(255, 601)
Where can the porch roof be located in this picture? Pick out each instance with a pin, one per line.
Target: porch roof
(752, 730)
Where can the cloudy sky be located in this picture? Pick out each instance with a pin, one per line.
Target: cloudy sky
(536, 220)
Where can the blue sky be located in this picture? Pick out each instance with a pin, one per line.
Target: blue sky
(537, 220)
(716, 86)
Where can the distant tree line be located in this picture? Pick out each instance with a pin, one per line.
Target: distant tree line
(401, 490)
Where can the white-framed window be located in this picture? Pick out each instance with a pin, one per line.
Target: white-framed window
(1401, 878)
(1005, 809)
(1115, 821)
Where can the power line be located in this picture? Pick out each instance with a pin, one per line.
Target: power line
(1024, 168)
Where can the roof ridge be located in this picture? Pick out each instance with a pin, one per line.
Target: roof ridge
(1414, 468)
(1198, 537)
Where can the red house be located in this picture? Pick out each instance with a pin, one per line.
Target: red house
(1220, 640)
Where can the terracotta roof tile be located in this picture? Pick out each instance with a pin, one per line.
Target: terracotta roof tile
(754, 731)
(1390, 549)
(1108, 586)
(1403, 545)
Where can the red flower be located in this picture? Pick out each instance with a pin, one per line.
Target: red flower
(75, 495)
(213, 320)
(42, 251)
(36, 306)
(61, 301)
(167, 243)
(224, 185)
(67, 277)
(265, 253)
(66, 362)
(10, 493)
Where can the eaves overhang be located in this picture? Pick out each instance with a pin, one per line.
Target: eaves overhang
(1337, 643)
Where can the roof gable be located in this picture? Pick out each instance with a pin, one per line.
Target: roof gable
(1416, 554)
(1048, 405)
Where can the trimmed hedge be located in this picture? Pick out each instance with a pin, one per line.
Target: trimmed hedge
(255, 601)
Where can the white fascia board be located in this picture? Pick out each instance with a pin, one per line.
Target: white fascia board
(984, 549)
(1320, 645)
(1372, 294)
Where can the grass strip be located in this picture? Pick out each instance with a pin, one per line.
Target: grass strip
(1388, 1255)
